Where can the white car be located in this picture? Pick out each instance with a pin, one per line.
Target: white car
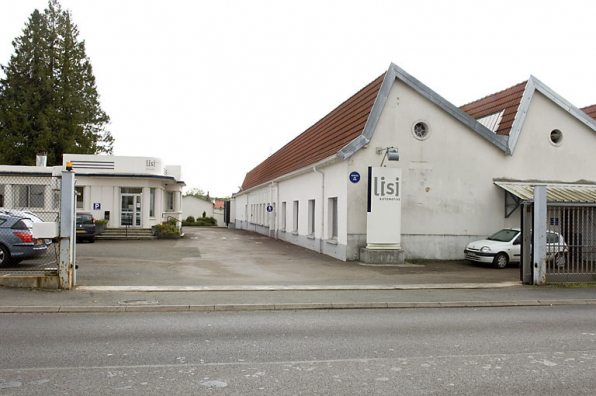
(504, 247)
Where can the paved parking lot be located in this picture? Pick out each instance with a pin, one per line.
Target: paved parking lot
(222, 257)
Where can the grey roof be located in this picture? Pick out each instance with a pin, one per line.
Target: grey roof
(555, 192)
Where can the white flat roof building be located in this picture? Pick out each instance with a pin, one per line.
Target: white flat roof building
(128, 191)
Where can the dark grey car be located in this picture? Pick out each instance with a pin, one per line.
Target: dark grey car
(85, 227)
(16, 239)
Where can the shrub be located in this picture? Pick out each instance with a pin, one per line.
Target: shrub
(166, 228)
(190, 219)
(201, 222)
(204, 214)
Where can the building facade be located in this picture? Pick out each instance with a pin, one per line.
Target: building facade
(128, 191)
(454, 160)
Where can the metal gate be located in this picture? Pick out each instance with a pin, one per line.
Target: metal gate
(571, 243)
(24, 200)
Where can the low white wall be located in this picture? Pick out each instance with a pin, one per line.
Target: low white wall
(193, 206)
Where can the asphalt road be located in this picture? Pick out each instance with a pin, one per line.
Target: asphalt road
(496, 351)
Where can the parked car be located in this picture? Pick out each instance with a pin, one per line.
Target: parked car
(504, 247)
(25, 214)
(85, 227)
(16, 239)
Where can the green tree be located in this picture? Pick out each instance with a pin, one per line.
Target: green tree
(48, 97)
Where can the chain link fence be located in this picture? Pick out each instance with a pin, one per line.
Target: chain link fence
(25, 200)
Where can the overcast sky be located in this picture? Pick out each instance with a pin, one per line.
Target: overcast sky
(218, 86)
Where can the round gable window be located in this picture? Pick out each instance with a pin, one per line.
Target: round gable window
(420, 130)
(556, 137)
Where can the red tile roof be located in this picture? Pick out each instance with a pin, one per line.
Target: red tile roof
(590, 110)
(508, 100)
(218, 205)
(322, 140)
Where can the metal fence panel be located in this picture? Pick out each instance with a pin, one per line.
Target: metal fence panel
(571, 243)
(23, 201)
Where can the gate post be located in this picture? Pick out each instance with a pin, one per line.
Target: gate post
(539, 235)
(66, 263)
(526, 247)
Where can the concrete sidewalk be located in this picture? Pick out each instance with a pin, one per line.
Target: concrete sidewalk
(35, 301)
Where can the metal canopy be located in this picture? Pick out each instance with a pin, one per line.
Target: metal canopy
(555, 192)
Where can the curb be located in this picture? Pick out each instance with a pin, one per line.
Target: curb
(290, 306)
(416, 286)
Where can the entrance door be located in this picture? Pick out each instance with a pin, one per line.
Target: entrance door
(131, 210)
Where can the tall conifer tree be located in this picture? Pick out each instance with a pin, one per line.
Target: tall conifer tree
(48, 98)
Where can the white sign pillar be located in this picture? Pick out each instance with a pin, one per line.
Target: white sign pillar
(383, 218)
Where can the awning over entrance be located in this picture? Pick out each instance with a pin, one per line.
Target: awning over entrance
(516, 192)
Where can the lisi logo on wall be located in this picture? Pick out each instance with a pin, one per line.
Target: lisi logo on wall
(383, 221)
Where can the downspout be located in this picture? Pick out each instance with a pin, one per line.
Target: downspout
(314, 168)
(273, 213)
(277, 207)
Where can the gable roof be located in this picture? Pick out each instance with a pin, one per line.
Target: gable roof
(590, 110)
(320, 141)
(352, 124)
(505, 102)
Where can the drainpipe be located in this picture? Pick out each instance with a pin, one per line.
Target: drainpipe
(314, 168)
(276, 222)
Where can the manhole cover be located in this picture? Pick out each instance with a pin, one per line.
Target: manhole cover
(137, 302)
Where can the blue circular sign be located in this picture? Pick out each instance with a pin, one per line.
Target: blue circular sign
(269, 208)
(354, 177)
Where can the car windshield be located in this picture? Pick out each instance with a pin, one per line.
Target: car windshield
(84, 219)
(503, 235)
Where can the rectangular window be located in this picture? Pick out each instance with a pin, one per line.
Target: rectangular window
(333, 218)
(295, 224)
(28, 196)
(283, 216)
(170, 200)
(1, 196)
(79, 194)
(152, 202)
(311, 217)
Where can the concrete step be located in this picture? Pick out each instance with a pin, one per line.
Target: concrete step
(122, 233)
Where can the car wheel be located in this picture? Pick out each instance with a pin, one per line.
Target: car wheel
(92, 239)
(501, 260)
(4, 256)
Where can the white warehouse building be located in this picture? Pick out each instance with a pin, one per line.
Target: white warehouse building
(457, 165)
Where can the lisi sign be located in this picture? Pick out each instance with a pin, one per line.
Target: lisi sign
(383, 221)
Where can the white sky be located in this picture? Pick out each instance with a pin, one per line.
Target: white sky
(217, 86)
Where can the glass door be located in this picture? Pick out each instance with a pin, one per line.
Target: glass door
(131, 210)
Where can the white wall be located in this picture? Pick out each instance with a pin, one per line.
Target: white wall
(106, 191)
(448, 195)
(193, 206)
(250, 209)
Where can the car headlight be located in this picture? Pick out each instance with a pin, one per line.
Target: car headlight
(485, 249)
